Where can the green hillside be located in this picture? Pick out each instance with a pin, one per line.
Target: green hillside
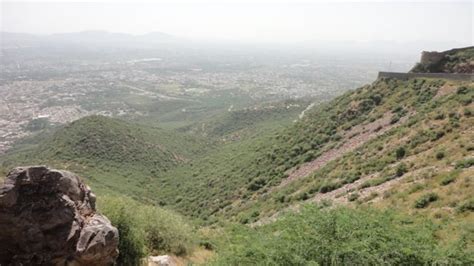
(357, 136)
(118, 155)
(426, 157)
(97, 137)
(237, 124)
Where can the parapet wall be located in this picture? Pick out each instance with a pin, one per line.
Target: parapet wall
(405, 76)
(431, 57)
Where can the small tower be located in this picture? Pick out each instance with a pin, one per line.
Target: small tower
(428, 58)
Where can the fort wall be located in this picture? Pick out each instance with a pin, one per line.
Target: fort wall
(406, 76)
(431, 57)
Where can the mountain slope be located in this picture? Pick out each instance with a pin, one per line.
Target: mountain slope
(421, 130)
(97, 137)
(118, 154)
(354, 137)
(362, 140)
(236, 124)
(404, 145)
(430, 131)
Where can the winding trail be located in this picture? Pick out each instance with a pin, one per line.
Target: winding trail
(354, 138)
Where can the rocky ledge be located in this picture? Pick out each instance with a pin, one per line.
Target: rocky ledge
(48, 217)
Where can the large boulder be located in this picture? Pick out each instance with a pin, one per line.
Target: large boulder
(48, 217)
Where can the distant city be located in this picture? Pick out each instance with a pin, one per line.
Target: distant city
(48, 81)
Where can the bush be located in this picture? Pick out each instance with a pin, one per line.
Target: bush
(166, 232)
(440, 155)
(132, 246)
(425, 200)
(328, 187)
(146, 229)
(353, 197)
(439, 116)
(468, 205)
(351, 178)
(339, 236)
(400, 153)
(303, 196)
(395, 118)
(374, 182)
(401, 170)
(257, 184)
(437, 135)
(416, 187)
(462, 90)
(468, 112)
(448, 180)
(371, 196)
(309, 156)
(466, 163)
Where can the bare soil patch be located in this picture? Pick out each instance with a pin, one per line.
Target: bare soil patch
(354, 138)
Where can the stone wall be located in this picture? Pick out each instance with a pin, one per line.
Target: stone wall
(405, 76)
(431, 57)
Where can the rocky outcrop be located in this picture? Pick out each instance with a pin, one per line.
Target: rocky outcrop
(48, 217)
(460, 60)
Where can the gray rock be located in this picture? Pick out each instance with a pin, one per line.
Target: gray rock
(48, 217)
(164, 260)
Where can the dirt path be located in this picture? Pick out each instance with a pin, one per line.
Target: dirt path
(154, 94)
(340, 195)
(444, 90)
(354, 138)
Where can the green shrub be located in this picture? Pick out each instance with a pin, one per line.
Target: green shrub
(257, 184)
(244, 220)
(132, 246)
(440, 155)
(467, 205)
(400, 153)
(375, 182)
(146, 229)
(339, 236)
(166, 231)
(439, 116)
(309, 156)
(280, 199)
(395, 118)
(448, 180)
(371, 196)
(437, 135)
(425, 200)
(328, 187)
(416, 187)
(462, 90)
(353, 197)
(466, 163)
(467, 112)
(401, 169)
(303, 196)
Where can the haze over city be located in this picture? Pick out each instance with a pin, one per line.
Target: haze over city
(260, 21)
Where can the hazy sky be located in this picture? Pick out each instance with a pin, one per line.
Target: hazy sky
(252, 20)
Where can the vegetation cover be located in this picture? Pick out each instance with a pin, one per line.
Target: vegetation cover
(147, 230)
(341, 236)
(380, 175)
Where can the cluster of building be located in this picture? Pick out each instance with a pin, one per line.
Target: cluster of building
(60, 95)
